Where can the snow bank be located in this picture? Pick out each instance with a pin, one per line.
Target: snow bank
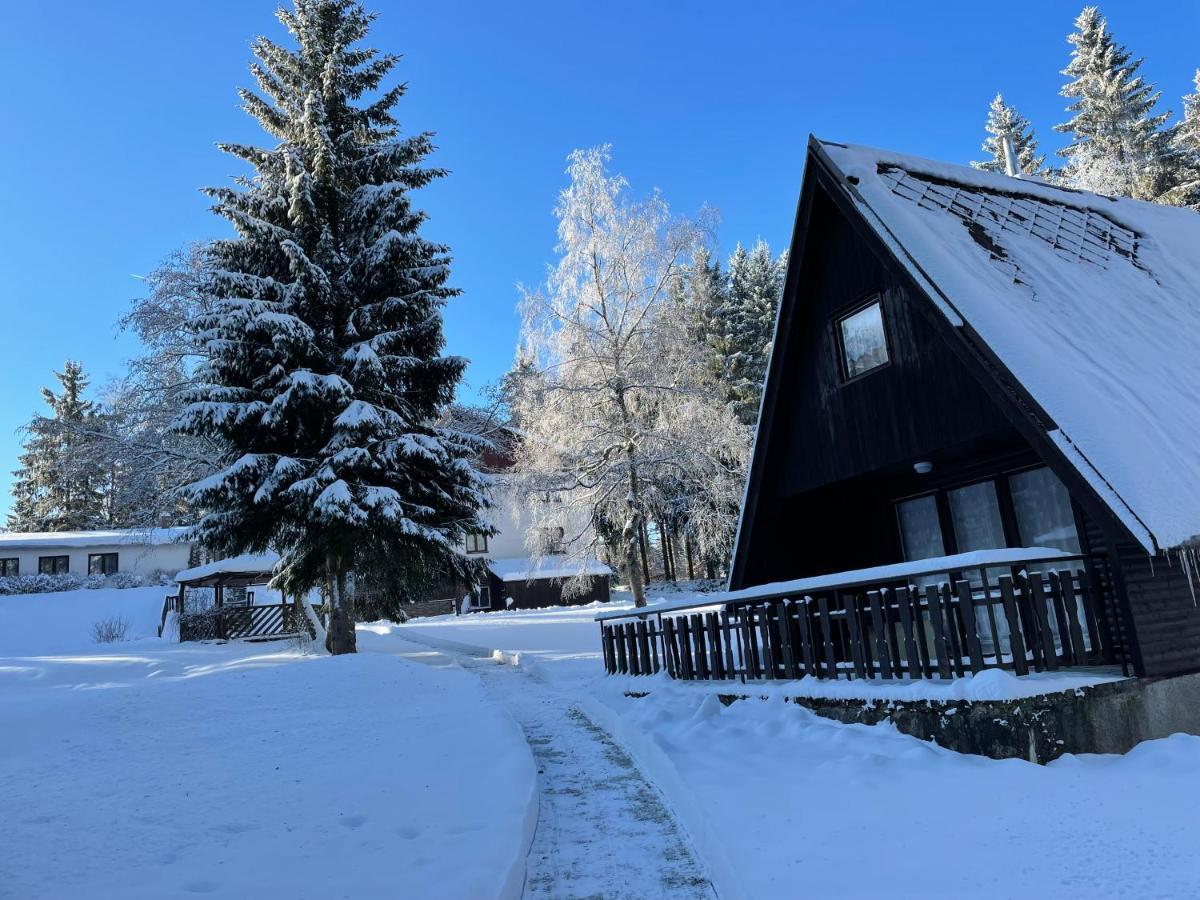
(779, 799)
(56, 622)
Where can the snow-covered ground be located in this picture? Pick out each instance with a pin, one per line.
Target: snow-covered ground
(779, 801)
(150, 769)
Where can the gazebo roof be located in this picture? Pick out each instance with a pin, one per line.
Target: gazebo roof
(235, 571)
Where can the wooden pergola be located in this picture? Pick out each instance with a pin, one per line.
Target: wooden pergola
(248, 621)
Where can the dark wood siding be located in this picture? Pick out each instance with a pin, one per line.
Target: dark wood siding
(1164, 612)
(839, 451)
(545, 592)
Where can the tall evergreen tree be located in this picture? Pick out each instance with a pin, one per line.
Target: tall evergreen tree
(1185, 140)
(1004, 119)
(324, 375)
(1117, 144)
(60, 485)
(755, 286)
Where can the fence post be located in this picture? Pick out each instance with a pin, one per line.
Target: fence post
(881, 643)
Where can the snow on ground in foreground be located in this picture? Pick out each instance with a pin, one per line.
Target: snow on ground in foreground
(778, 799)
(148, 769)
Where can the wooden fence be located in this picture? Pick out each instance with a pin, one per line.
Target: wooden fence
(244, 622)
(1026, 622)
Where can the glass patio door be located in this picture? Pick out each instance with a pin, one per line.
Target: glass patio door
(975, 516)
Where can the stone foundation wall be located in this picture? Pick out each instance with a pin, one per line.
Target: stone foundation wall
(1103, 718)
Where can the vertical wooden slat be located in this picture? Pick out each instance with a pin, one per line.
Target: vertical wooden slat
(991, 616)
(1015, 642)
(716, 659)
(881, 644)
(670, 651)
(643, 635)
(1105, 624)
(911, 656)
(1066, 583)
(891, 615)
(730, 667)
(807, 648)
(654, 639)
(685, 648)
(1092, 616)
(749, 644)
(1029, 623)
(1058, 603)
(622, 658)
(697, 626)
(827, 637)
(954, 635)
(635, 661)
(1037, 599)
(862, 667)
(764, 631)
(966, 609)
(941, 644)
(786, 611)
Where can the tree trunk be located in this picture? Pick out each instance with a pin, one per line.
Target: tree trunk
(339, 636)
(668, 552)
(687, 546)
(643, 543)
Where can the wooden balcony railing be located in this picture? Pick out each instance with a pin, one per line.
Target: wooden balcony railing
(1021, 609)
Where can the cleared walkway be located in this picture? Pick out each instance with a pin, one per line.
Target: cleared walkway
(603, 830)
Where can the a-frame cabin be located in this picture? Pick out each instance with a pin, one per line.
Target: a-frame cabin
(965, 361)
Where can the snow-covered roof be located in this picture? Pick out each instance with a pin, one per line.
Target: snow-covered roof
(1092, 303)
(523, 568)
(19, 540)
(798, 587)
(249, 563)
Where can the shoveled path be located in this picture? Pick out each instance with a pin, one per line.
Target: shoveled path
(603, 831)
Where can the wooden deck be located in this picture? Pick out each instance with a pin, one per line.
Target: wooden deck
(958, 622)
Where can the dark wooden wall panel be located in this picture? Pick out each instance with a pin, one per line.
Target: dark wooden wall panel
(1164, 611)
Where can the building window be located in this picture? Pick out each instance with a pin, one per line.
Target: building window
(54, 565)
(102, 563)
(483, 597)
(863, 340)
(10, 568)
(476, 543)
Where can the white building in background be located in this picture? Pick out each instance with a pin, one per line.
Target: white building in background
(134, 551)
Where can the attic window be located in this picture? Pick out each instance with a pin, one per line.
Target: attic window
(863, 340)
(1075, 234)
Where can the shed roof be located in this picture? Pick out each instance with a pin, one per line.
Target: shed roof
(1092, 303)
(523, 568)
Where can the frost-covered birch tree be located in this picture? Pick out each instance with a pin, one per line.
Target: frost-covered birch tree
(323, 375)
(613, 408)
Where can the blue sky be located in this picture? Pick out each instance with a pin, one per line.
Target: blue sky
(110, 114)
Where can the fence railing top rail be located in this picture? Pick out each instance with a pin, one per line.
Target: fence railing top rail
(854, 578)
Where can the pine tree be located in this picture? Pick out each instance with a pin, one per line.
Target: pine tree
(1117, 144)
(1004, 119)
(1185, 141)
(324, 374)
(60, 485)
(755, 286)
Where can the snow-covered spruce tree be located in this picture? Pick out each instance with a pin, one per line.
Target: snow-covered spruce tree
(1004, 119)
(1185, 141)
(60, 486)
(324, 375)
(755, 286)
(618, 411)
(1118, 146)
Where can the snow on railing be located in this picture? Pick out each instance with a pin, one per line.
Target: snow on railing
(1018, 609)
